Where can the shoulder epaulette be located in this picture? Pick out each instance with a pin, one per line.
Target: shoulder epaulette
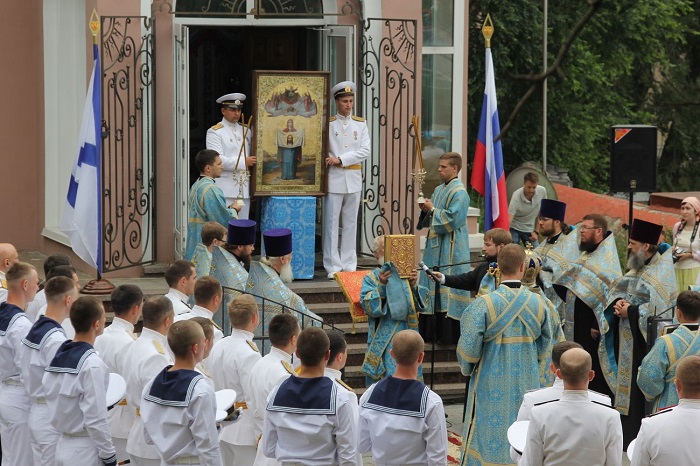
(333, 118)
(357, 118)
(3, 283)
(288, 367)
(344, 385)
(665, 410)
(252, 346)
(158, 346)
(216, 325)
(217, 126)
(602, 404)
(545, 402)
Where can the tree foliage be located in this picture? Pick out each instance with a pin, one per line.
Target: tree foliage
(634, 62)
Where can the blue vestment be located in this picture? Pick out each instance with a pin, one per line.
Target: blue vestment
(556, 258)
(505, 338)
(226, 268)
(206, 203)
(448, 243)
(201, 260)
(657, 373)
(390, 308)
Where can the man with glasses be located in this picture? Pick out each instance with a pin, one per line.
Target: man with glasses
(585, 287)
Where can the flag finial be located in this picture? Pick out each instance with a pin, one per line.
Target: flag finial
(94, 25)
(487, 30)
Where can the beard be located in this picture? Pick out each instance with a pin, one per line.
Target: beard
(588, 245)
(636, 260)
(286, 274)
(547, 232)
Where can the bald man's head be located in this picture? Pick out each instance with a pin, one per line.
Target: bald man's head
(688, 377)
(8, 256)
(407, 347)
(575, 366)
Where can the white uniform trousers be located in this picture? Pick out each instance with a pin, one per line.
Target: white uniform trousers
(74, 450)
(245, 211)
(238, 455)
(337, 205)
(44, 436)
(120, 449)
(14, 426)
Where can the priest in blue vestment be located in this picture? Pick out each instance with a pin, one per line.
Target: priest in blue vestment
(506, 337)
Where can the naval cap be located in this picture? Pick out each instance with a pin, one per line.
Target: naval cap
(233, 100)
(343, 89)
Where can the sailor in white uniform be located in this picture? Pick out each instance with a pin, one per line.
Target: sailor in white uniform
(267, 373)
(22, 285)
(309, 419)
(180, 277)
(178, 406)
(574, 430)
(146, 357)
(208, 295)
(234, 358)
(112, 346)
(668, 437)
(40, 346)
(402, 421)
(226, 138)
(76, 382)
(348, 147)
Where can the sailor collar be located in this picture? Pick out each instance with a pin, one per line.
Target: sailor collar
(40, 331)
(70, 357)
(9, 313)
(299, 395)
(399, 396)
(173, 388)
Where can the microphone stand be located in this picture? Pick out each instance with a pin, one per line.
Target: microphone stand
(437, 307)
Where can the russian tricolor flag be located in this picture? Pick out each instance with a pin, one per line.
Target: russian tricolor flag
(488, 177)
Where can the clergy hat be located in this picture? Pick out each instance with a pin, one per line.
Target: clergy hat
(645, 232)
(241, 232)
(343, 89)
(556, 210)
(278, 242)
(234, 100)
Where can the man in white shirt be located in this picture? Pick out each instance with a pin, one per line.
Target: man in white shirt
(8, 257)
(269, 371)
(207, 300)
(668, 437)
(146, 357)
(523, 209)
(40, 346)
(234, 358)
(39, 300)
(180, 277)
(402, 421)
(308, 420)
(348, 147)
(22, 285)
(111, 346)
(178, 406)
(76, 382)
(574, 430)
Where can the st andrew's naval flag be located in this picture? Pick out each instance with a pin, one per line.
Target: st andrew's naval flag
(82, 214)
(488, 177)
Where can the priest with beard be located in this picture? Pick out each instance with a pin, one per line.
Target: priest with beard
(230, 262)
(585, 286)
(268, 279)
(648, 288)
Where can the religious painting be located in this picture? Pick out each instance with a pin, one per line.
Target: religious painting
(290, 132)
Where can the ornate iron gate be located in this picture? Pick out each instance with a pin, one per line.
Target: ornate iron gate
(128, 134)
(388, 85)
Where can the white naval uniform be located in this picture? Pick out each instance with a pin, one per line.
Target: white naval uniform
(66, 324)
(349, 140)
(77, 399)
(146, 357)
(226, 138)
(204, 366)
(336, 376)
(112, 346)
(266, 374)
(234, 358)
(179, 300)
(321, 432)
(181, 423)
(396, 435)
(3, 287)
(40, 346)
(573, 431)
(33, 307)
(668, 437)
(543, 395)
(14, 399)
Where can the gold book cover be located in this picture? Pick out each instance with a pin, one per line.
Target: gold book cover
(400, 249)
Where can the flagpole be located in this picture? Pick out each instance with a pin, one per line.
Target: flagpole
(101, 286)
